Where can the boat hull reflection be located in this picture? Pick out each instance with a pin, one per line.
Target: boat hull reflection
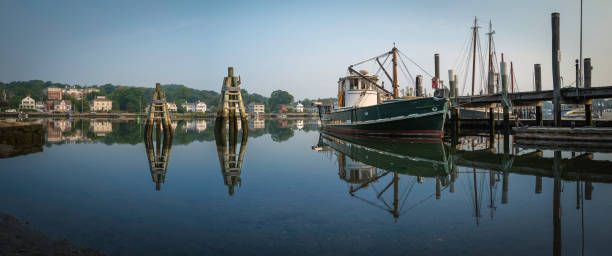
(422, 158)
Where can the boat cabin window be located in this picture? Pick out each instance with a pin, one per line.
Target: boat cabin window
(354, 84)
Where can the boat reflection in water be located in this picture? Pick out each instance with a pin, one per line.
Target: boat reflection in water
(226, 137)
(370, 162)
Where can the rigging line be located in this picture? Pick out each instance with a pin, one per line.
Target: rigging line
(467, 72)
(409, 74)
(380, 198)
(422, 201)
(371, 59)
(405, 75)
(463, 50)
(402, 53)
(406, 195)
(383, 64)
(482, 61)
(370, 203)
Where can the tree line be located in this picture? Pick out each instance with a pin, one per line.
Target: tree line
(135, 99)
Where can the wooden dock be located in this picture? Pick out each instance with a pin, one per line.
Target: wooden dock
(582, 94)
(584, 137)
(19, 138)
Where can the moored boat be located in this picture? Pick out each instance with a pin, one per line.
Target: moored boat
(366, 108)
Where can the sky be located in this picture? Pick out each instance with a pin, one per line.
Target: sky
(299, 46)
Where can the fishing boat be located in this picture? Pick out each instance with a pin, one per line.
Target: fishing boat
(366, 108)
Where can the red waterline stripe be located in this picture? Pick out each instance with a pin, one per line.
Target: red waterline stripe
(416, 133)
(345, 136)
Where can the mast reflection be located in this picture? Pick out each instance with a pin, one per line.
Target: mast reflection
(381, 165)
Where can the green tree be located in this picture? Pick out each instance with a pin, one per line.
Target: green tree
(279, 97)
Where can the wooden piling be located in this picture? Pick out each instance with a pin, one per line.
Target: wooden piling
(556, 59)
(231, 105)
(538, 186)
(557, 204)
(538, 87)
(588, 108)
(419, 86)
(438, 189)
(451, 83)
(505, 103)
(588, 190)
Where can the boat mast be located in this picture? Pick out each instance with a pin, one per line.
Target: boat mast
(474, 53)
(489, 76)
(395, 83)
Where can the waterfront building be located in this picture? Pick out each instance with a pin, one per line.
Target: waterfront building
(195, 107)
(101, 103)
(299, 107)
(256, 108)
(171, 106)
(28, 103)
(87, 91)
(39, 105)
(53, 93)
(283, 108)
(74, 92)
(62, 106)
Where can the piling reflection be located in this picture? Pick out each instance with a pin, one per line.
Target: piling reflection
(227, 134)
(158, 153)
(478, 163)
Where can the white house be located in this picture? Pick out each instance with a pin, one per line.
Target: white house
(28, 102)
(171, 106)
(257, 108)
(62, 106)
(195, 107)
(101, 103)
(299, 107)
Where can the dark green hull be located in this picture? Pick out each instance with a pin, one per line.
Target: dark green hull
(422, 117)
(416, 158)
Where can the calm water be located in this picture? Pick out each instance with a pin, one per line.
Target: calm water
(299, 192)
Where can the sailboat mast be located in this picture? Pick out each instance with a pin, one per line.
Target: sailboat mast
(395, 82)
(489, 82)
(474, 53)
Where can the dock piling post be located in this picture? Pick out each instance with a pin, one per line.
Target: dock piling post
(556, 59)
(419, 86)
(588, 108)
(538, 87)
(504, 75)
(451, 82)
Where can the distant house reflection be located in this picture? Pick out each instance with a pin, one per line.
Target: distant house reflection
(101, 127)
(198, 126)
